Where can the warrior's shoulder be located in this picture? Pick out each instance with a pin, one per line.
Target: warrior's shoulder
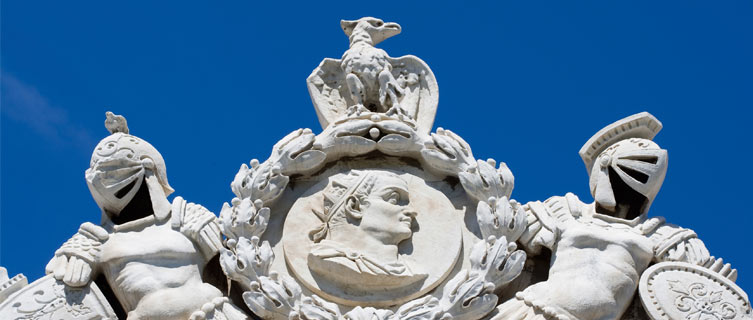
(186, 213)
(198, 224)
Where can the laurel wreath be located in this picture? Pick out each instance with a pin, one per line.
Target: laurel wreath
(494, 260)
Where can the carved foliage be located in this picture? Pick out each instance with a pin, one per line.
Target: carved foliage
(468, 295)
(698, 302)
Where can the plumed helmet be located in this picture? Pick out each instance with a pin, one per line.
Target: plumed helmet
(624, 164)
(118, 166)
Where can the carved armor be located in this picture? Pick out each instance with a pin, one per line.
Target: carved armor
(150, 252)
(600, 250)
(604, 245)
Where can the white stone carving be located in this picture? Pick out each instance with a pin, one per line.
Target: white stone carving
(367, 79)
(48, 298)
(150, 251)
(380, 247)
(348, 251)
(9, 286)
(378, 218)
(677, 290)
(599, 250)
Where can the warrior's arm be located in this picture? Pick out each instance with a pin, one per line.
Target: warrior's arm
(674, 243)
(76, 261)
(198, 224)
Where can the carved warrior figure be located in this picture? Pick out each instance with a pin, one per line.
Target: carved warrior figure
(151, 252)
(365, 215)
(599, 250)
(338, 229)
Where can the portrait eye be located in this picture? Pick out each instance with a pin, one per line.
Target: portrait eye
(393, 197)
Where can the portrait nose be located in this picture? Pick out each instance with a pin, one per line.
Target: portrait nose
(410, 212)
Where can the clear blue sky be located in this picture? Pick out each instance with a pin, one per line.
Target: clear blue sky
(525, 82)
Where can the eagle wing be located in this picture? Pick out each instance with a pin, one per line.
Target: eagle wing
(421, 91)
(328, 91)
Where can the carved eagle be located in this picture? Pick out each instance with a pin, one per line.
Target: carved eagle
(412, 83)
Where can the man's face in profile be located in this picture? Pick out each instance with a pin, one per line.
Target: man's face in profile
(386, 213)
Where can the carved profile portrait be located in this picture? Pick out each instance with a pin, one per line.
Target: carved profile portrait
(371, 237)
(364, 216)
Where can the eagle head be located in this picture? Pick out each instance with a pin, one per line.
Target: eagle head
(369, 28)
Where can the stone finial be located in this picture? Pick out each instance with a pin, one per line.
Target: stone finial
(116, 123)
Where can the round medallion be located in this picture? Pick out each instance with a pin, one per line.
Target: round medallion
(372, 237)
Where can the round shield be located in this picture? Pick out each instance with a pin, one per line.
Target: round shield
(678, 290)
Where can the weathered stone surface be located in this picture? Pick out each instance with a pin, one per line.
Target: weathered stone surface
(678, 290)
(376, 217)
(48, 298)
(9, 286)
(151, 252)
(385, 274)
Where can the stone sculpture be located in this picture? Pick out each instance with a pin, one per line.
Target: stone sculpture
(600, 250)
(679, 290)
(48, 298)
(9, 286)
(151, 252)
(367, 79)
(364, 217)
(377, 218)
(454, 271)
(382, 247)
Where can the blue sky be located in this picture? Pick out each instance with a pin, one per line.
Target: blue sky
(524, 82)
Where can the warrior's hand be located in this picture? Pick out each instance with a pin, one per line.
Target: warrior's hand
(76, 260)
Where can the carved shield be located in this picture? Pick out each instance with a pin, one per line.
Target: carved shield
(678, 290)
(48, 298)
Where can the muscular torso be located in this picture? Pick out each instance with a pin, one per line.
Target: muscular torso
(153, 266)
(597, 267)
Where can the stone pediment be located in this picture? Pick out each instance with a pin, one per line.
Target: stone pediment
(377, 217)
